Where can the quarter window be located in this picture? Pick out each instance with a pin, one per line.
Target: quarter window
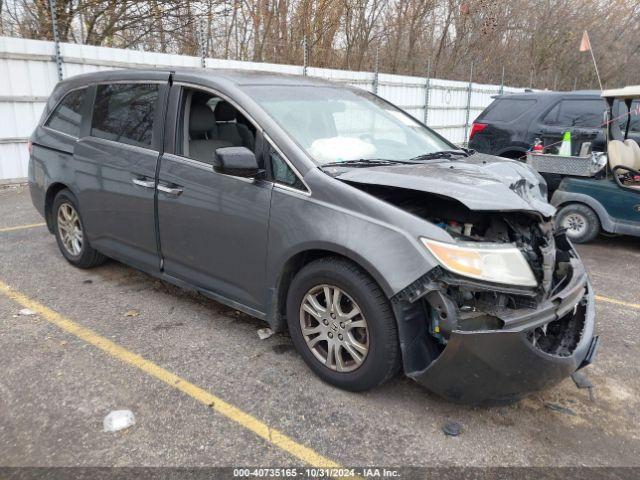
(282, 172)
(125, 112)
(507, 109)
(66, 117)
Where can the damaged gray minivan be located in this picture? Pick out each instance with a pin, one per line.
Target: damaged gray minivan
(324, 209)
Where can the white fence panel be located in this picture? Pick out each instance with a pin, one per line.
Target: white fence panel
(28, 69)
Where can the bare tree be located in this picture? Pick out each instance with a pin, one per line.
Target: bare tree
(536, 41)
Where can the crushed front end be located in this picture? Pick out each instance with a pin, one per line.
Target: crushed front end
(475, 341)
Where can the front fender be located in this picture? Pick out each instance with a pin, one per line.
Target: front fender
(298, 223)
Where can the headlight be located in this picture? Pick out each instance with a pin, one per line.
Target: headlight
(492, 262)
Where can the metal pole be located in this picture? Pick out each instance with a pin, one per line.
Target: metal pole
(531, 80)
(555, 82)
(304, 55)
(575, 82)
(376, 70)
(596, 67)
(427, 92)
(56, 37)
(466, 122)
(502, 81)
(201, 43)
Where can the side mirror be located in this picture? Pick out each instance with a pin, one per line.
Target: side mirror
(238, 161)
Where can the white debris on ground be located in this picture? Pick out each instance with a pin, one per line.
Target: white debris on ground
(26, 312)
(118, 420)
(264, 333)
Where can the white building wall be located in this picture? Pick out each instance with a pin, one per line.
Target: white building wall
(28, 73)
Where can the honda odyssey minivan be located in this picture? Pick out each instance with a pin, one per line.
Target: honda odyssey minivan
(324, 210)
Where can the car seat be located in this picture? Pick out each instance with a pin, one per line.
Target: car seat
(229, 129)
(203, 134)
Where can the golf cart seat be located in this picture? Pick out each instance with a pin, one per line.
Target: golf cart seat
(621, 154)
(624, 159)
(636, 151)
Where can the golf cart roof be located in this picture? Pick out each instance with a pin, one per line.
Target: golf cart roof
(632, 91)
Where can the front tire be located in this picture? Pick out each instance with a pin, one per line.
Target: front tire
(342, 325)
(581, 222)
(70, 235)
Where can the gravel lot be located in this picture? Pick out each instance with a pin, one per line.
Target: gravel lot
(55, 388)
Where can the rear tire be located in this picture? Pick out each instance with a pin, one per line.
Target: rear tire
(356, 353)
(69, 231)
(581, 222)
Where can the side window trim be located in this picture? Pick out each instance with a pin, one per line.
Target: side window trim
(271, 144)
(547, 121)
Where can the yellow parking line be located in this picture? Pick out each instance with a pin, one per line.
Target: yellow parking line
(21, 227)
(600, 298)
(271, 435)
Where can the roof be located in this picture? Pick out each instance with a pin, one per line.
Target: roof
(234, 76)
(550, 94)
(631, 91)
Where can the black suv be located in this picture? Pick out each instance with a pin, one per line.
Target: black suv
(509, 126)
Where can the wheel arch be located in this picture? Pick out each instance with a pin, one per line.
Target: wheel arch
(514, 153)
(50, 195)
(562, 199)
(299, 260)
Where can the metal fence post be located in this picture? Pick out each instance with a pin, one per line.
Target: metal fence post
(304, 55)
(376, 70)
(427, 92)
(201, 43)
(56, 37)
(502, 81)
(469, 90)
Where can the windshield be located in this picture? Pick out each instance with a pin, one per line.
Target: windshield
(336, 124)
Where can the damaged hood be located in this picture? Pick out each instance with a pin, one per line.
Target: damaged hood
(480, 182)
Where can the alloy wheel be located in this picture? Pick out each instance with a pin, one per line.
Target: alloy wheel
(334, 328)
(70, 229)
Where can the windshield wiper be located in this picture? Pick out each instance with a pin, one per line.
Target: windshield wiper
(440, 154)
(364, 162)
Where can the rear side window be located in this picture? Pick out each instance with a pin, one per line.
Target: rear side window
(507, 109)
(577, 113)
(66, 117)
(124, 113)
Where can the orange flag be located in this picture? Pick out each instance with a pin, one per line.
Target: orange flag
(585, 44)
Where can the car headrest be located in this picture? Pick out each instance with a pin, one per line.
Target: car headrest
(225, 112)
(201, 119)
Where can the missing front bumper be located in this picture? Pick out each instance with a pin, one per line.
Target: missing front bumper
(505, 365)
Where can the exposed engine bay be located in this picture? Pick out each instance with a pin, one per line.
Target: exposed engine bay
(456, 303)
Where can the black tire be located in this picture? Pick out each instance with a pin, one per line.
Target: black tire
(382, 360)
(87, 257)
(581, 222)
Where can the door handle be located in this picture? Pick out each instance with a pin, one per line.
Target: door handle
(170, 190)
(144, 183)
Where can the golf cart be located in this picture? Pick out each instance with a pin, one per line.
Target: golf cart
(607, 200)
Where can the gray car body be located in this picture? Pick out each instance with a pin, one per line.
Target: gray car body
(240, 240)
(331, 217)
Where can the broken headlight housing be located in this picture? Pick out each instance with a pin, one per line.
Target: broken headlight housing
(491, 262)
